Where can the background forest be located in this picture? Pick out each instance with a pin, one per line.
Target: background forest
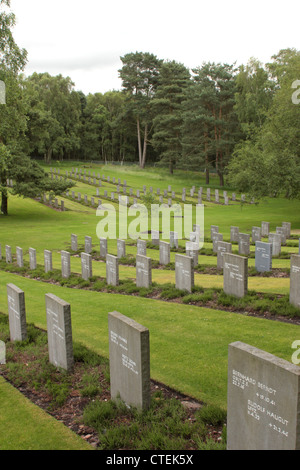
(242, 123)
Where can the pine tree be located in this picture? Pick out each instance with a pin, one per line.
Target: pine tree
(173, 81)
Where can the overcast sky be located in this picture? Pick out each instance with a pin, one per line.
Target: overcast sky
(84, 39)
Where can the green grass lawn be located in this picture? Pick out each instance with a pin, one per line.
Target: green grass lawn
(188, 344)
(24, 426)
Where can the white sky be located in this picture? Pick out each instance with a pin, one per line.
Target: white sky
(84, 39)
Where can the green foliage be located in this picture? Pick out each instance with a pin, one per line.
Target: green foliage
(174, 79)
(139, 75)
(273, 151)
(54, 110)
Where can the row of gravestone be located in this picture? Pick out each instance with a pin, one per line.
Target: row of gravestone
(235, 272)
(235, 267)
(91, 178)
(263, 393)
(183, 264)
(276, 240)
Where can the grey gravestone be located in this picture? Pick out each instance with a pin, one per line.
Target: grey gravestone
(141, 247)
(235, 275)
(217, 237)
(48, 260)
(192, 250)
(222, 247)
(86, 266)
(59, 329)
(184, 272)
(88, 245)
(19, 253)
(74, 242)
(295, 280)
(263, 400)
(195, 236)
(173, 240)
(164, 252)
(287, 227)
(213, 229)
(112, 270)
(129, 360)
(143, 271)
(256, 234)
(8, 255)
(281, 232)
(16, 313)
(208, 194)
(121, 248)
(65, 264)
(263, 256)
(244, 244)
(103, 247)
(32, 258)
(275, 239)
(234, 234)
(155, 237)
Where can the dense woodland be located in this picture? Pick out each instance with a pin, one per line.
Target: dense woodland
(242, 123)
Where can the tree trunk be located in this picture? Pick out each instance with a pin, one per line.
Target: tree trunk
(145, 146)
(206, 159)
(207, 175)
(139, 141)
(49, 155)
(4, 203)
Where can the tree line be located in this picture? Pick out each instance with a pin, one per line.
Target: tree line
(239, 122)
